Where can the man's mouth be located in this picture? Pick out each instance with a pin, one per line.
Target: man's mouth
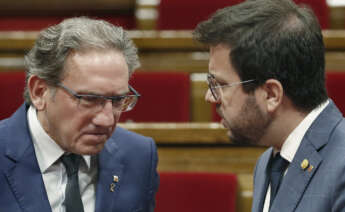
(96, 137)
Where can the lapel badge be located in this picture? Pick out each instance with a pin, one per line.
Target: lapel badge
(115, 179)
(310, 168)
(112, 187)
(304, 164)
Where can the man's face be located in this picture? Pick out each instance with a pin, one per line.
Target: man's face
(77, 129)
(240, 112)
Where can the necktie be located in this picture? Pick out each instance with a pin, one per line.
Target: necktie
(278, 166)
(73, 200)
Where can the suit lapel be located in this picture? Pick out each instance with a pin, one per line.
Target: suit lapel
(23, 173)
(108, 188)
(261, 181)
(297, 179)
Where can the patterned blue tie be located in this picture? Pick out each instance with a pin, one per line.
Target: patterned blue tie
(278, 166)
(73, 200)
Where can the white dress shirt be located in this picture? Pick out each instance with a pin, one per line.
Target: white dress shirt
(292, 142)
(54, 175)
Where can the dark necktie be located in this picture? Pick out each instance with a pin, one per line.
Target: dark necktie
(278, 166)
(73, 200)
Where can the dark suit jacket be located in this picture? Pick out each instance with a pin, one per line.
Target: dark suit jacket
(321, 186)
(132, 157)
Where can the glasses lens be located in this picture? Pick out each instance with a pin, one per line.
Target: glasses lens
(126, 104)
(91, 102)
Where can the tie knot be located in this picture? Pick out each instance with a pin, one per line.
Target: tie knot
(71, 163)
(278, 164)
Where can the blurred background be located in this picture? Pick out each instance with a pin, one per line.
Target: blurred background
(194, 149)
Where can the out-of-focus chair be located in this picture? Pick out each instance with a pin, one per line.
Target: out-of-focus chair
(35, 23)
(335, 83)
(181, 14)
(11, 92)
(165, 97)
(196, 192)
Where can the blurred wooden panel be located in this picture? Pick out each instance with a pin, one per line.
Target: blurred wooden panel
(181, 133)
(162, 50)
(334, 39)
(166, 40)
(191, 62)
(335, 61)
(200, 109)
(156, 40)
(31, 7)
(239, 160)
(337, 17)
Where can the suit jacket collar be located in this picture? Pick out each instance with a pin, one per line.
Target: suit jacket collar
(261, 181)
(22, 171)
(297, 179)
(25, 178)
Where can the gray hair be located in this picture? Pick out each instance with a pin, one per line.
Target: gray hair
(47, 58)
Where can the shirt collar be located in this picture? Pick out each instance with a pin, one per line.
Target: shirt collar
(291, 144)
(46, 149)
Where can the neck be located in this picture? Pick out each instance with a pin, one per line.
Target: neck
(284, 121)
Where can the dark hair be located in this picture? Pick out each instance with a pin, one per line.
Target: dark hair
(272, 39)
(47, 58)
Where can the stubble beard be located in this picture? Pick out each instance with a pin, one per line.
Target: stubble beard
(249, 126)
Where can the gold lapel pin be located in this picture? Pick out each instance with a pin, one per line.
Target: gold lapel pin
(112, 187)
(115, 179)
(310, 168)
(304, 164)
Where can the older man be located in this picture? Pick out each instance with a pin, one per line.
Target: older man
(61, 151)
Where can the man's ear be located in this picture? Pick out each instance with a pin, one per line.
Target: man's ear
(38, 92)
(274, 93)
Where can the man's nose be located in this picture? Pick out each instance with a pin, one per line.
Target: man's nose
(105, 117)
(209, 97)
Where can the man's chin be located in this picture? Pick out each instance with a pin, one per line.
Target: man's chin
(90, 146)
(239, 140)
(91, 150)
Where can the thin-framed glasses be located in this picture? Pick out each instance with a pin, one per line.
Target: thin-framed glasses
(121, 103)
(216, 88)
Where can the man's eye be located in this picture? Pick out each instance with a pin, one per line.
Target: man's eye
(90, 100)
(118, 101)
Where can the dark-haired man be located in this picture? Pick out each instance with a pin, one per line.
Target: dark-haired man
(267, 78)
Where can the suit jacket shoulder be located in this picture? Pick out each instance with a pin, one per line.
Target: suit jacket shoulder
(320, 186)
(127, 176)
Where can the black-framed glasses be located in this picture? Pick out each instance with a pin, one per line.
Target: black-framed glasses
(121, 103)
(216, 88)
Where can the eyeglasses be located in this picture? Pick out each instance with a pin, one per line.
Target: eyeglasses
(122, 103)
(216, 89)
